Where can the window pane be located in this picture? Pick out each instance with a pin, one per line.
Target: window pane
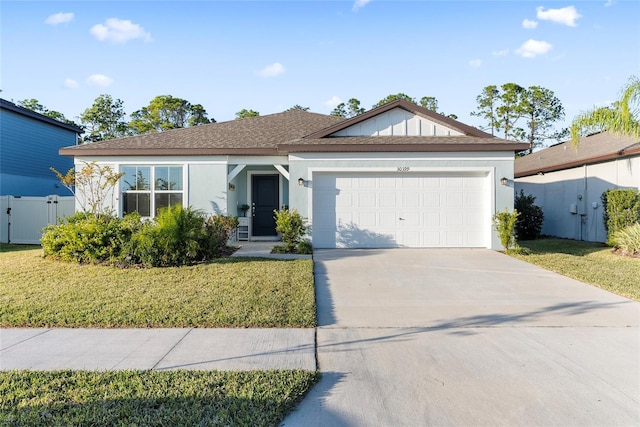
(137, 202)
(175, 175)
(136, 178)
(168, 178)
(167, 199)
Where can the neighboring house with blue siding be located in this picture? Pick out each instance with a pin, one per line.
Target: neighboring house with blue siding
(29, 144)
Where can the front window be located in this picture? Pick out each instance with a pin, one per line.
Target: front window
(139, 195)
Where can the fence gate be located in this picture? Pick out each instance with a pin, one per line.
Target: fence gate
(23, 218)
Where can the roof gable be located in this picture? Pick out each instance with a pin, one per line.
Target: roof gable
(399, 118)
(595, 148)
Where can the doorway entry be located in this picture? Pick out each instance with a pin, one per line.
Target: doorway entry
(265, 191)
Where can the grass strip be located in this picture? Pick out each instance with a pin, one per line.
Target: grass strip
(151, 398)
(589, 262)
(228, 292)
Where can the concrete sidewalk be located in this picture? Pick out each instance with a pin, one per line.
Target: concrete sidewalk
(263, 250)
(158, 349)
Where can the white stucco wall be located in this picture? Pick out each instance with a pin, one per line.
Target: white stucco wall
(557, 193)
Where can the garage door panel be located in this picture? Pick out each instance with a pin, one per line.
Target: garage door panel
(390, 210)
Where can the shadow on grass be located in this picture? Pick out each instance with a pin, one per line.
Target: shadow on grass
(549, 245)
(6, 247)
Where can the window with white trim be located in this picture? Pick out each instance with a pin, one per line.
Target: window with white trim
(145, 189)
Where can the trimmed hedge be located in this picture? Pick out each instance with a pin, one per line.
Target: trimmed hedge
(529, 223)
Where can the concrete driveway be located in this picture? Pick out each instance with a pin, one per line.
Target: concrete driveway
(417, 337)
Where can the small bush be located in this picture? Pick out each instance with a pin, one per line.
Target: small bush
(504, 223)
(621, 210)
(177, 236)
(89, 238)
(628, 240)
(304, 247)
(219, 230)
(529, 223)
(291, 226)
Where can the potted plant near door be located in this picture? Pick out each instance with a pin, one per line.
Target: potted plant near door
(244, 208)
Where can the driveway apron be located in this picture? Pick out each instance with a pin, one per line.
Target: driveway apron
(418, 337)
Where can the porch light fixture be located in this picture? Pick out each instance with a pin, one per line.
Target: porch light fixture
(504, 180)
(300, 181)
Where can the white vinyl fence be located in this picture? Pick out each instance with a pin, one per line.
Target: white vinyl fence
(23, 218)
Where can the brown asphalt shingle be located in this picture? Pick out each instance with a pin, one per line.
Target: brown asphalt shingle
(591, 149)
(292, 131)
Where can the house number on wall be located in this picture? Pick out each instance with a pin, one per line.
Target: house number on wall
(403, 168)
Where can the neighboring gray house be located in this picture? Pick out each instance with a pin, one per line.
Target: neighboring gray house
(568, 182)
(396, 176)
(29, 144)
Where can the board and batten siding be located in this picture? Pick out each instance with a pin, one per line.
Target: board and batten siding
(29, 148)
(397, 122)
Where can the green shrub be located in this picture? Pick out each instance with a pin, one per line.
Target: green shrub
(291, 227)
(504, 223)
(177, 236)
(529, 223)
(219, 230)
(304, 247)
(89, 238)
(628, 240)
(621, 210)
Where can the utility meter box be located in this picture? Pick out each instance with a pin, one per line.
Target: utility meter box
(573, 208)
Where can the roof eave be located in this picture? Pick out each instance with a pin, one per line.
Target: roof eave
(360, 148)
(576, 163)
(166, 152)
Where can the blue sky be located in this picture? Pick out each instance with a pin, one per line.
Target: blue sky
(268, 56)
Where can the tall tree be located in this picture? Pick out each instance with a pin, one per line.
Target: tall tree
(35, 105)
(244, 113)
(429, 102)
(394, 97)
(105, 119)
(621, 118)
(166, 112)
(349, 109)
(297, 107)
(488, 101)
(511, 109)
(542, 109)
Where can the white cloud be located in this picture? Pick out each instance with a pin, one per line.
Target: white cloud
(503, 52)
(59, 18)
(567, 15)
(532, 48)
(119, 31)
(272, 70)
(71, 84)
(333, 102)
(529, 25)
(609, 3)
(99, 80)
(358, 4)
(475, 63)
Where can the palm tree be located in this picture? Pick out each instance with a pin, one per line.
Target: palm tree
(621, 118)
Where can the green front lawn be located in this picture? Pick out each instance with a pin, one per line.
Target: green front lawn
(150, 398)
(588, 262)
(228, 292)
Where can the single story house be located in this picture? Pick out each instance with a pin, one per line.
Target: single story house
(29, 145)
(396, 176)
(568, 182)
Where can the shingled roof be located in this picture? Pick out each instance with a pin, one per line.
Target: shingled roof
(596, 148)
(293, 131)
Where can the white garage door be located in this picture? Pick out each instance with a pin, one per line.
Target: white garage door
(362, 210)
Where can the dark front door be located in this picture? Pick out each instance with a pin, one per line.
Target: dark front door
(264, 200)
